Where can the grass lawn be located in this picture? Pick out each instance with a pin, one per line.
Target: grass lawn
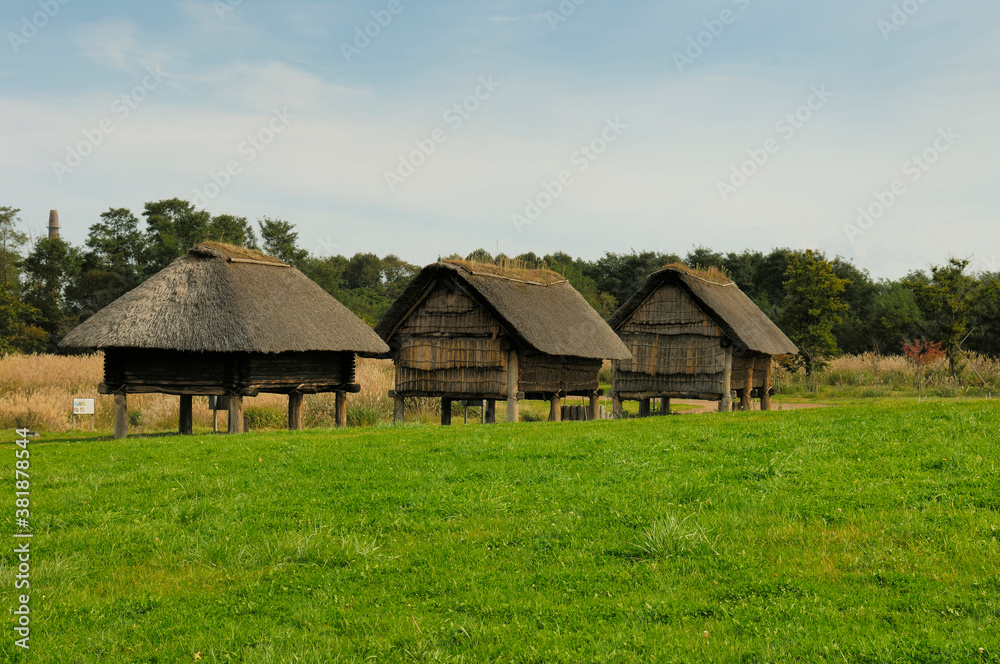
(848, 534)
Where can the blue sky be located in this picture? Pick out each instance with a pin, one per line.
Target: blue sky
(163, 97)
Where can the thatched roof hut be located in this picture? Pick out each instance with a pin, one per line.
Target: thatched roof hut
(695, 334)
(478, 332)
(227, 321)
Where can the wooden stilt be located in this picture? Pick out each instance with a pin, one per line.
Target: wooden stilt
(765, 395)
(555, 409)
(617, 410)
(446, 412)
(295, 409)
(513, 378)
(726, 403)
(340, 406)
(491, 411)
(746, 403)
(235, 414)
(186, 424)
(595, 407)
(644, 407)
(121, 416)
(398, 408)
(664, 405)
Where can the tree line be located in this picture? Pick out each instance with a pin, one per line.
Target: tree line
(826, 306)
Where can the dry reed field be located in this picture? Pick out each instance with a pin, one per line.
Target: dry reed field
(37, 391)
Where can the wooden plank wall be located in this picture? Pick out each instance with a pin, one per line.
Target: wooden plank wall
(551, 373)
(175, 372)
(676, 348)
(450, 345)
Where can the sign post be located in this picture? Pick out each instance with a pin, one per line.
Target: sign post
(83, 407)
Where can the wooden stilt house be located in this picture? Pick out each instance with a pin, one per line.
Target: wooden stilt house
(227, 321)
(694, 334)
(464, 331)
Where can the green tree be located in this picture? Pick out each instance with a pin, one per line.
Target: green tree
(113, 263)
(16, 323)
(946, 299)
(621, 275)
(172, 227)
(11, 241)
(49, 269)
(364, 270)
(280, 241)
(812, 307)
(232, 230)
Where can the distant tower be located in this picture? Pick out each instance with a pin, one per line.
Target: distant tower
(54, 223)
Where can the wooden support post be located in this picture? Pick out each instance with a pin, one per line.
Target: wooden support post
(644, 407)
(121, 416)
(513, 378)
(746, 403)
(446, 412)
(398, 408)
(186, 424)
(340, 407)
(765, 396)
(581, 414)
(664, 405)
(490, 411)
(726, 403)
(235, 413)
(617, 410)
(295, 407)
(555, 409)
(595, 407)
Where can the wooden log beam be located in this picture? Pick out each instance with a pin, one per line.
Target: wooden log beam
(726, 403)
(235, 413)
(340, 408)
(295, 409)
(186, 424)
(121, 416)
(555, 409)
(445, 412)
(765, 396)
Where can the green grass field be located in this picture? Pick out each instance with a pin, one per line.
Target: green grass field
(849, 534)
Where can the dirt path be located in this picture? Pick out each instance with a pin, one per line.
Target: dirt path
(713, 406)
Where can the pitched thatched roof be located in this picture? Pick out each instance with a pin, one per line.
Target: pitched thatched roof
(743, 322)
(220, 298)
(547, 314)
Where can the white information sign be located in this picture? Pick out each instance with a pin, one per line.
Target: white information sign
(83, 406)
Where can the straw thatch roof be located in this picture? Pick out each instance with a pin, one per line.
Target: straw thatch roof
(743, 322)
(220, 298)
(546, 314)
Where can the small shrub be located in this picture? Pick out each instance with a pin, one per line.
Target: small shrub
(135, 418)
(364, 416)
